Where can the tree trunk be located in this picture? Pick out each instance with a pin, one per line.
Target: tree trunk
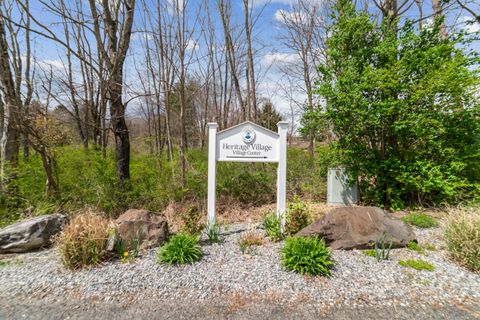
(120, 129)
(9, 143)
(438, 12)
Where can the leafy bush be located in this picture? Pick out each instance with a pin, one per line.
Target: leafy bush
(307, 256)
(298, 216)
(417, 264)
(462, 237)
(83, 242)
(192, 220)
(420, 220)
(180, 249)
(420, 144)
(273, 226)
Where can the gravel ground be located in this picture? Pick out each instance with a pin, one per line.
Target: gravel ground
(225, 274)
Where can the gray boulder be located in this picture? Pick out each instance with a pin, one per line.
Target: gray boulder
(359, 228)
(31, 234)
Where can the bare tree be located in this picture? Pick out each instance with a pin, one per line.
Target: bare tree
(115, 20)
(304, 39)
(471, 6)
(12, 77)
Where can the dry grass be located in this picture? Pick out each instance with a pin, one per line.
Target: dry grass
(462, 236)
(251, 238)
(83, 242)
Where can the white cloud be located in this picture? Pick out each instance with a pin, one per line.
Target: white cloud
(141, 35)
(279, 57)
(470, 25)
(192, 44)
(54, 64)
(285, 2)
(283, 16)
(263, 2)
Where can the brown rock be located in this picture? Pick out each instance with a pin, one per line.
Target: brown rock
(150, 228)
(359, 228)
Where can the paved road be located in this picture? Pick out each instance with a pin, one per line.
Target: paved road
(67, 309)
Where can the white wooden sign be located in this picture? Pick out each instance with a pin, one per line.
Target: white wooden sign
(248, 142)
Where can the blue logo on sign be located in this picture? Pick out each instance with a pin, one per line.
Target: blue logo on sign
(248, 135)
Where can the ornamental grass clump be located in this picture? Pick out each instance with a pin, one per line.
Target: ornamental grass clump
(307, 256)
(249, 240)
(83, 242)
(462, 237)
(180, 249)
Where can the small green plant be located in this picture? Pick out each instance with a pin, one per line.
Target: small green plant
(430, 247)
(462, 237)
(192, 220)
(213, 234)
(249, 240)
(180, 249)
(127, 252)
(417, 264)
(298, 216)
(382, 252)
(273, 226)
(369, 253)
(412, 245)
(307, 256)
(10, 262)
(420, 220)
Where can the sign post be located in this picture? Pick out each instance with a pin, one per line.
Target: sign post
(248, 142)
(282, 172)
(212, 173)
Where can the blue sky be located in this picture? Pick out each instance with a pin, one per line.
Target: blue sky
(266, 32)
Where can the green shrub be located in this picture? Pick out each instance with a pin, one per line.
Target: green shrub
(307, 256)
(298, 216)
(417, 264)
(180, 249)
(192, 220)
(402, 108)
(462, 237)
(273, 226)
(83, 242)
(420, 220)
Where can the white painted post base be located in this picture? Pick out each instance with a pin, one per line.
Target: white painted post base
(212, 173)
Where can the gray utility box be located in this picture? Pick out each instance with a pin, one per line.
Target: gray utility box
(339, 189)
